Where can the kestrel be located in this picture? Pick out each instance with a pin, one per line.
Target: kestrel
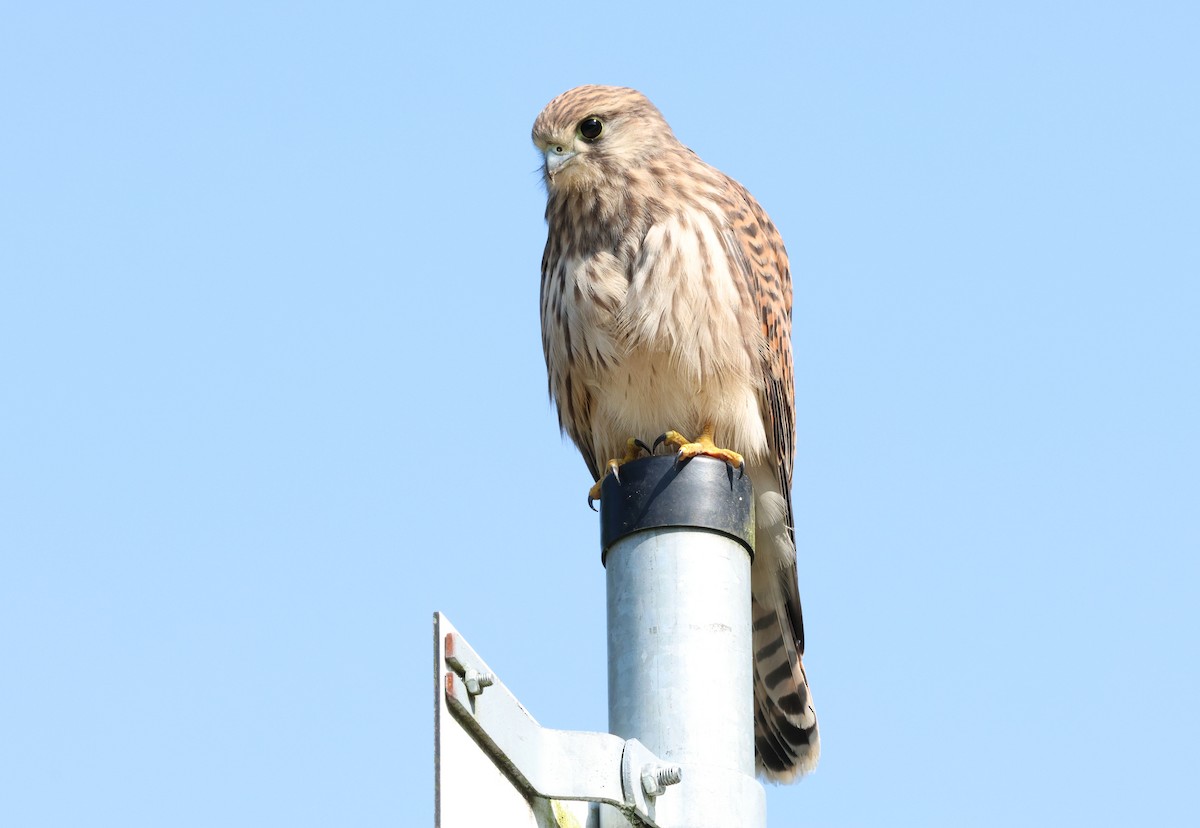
(666, 309)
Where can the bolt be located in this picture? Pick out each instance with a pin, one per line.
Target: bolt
(476, 681)
(669, 775)
(656, 778)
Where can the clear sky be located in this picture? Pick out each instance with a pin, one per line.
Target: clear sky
(272, 391)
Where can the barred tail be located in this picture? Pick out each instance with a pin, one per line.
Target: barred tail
(786, 741)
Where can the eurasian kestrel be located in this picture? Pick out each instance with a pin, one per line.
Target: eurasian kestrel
(666, 305)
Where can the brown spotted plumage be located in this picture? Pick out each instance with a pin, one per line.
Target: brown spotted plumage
(666, 304)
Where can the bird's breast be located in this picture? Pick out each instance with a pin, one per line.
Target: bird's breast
(657, 340)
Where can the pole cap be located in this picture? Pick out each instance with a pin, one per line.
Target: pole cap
(655, 493)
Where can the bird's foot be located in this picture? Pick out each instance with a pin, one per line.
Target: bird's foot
(633, 449)
(687, 449)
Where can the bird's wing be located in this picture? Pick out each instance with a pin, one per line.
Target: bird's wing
(757, 249)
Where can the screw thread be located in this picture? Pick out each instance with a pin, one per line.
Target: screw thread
(669, 775)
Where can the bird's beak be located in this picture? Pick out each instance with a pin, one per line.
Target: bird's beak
(557, 157)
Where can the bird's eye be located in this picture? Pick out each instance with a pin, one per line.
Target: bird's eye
(590, 128)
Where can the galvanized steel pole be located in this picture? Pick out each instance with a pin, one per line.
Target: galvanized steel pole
(677, 546)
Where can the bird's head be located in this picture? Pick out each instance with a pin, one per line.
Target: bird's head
(590, 134)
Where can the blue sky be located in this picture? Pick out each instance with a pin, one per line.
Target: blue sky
(272, 391)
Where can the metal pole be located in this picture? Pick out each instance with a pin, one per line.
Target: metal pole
(677, 544)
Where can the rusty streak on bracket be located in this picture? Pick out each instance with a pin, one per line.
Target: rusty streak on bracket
(552, 764)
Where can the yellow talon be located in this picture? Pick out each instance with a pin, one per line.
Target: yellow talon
(633, 448)
(703, 447)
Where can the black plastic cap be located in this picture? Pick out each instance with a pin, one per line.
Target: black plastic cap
(655, 493)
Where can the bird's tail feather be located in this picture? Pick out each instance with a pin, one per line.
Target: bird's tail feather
(787, 744)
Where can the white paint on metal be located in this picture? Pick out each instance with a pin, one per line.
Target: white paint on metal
(470, 790)
(492, 754)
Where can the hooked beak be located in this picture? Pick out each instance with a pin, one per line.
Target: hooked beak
(557, 157)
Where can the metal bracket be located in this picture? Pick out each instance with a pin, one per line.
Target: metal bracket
(553, 764)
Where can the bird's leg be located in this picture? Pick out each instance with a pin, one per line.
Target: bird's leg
(633, 447)
(703, 446)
